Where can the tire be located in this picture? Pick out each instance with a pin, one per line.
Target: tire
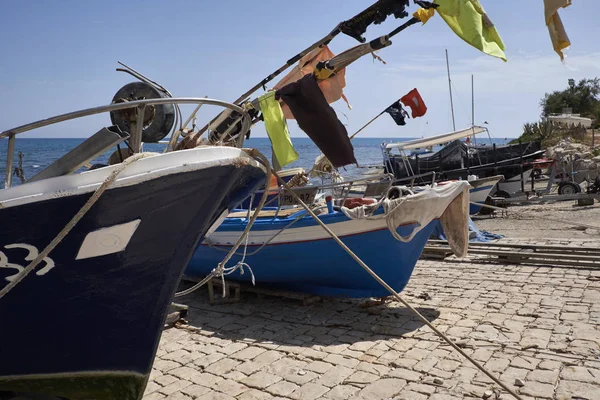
(568, 188)
(158, 119)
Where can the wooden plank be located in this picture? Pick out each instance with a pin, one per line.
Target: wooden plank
(536, 247)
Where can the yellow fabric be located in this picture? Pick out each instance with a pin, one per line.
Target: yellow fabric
(558, 35)
(277, 129)
(468, 20)
(423, 14)
(322, 73)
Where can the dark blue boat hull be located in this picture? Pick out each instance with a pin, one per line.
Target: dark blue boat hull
(90, 328)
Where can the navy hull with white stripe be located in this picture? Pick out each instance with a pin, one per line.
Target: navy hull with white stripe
(85, 324)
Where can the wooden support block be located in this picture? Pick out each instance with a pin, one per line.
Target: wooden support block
(586, 201)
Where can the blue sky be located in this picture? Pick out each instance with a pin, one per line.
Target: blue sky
(59, 56)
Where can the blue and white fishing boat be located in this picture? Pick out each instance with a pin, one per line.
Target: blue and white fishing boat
(288, 250)
(90, 260)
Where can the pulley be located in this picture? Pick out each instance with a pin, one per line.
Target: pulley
(158, 119)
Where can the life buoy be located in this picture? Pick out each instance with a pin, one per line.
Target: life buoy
(354, 202)
(273, 188)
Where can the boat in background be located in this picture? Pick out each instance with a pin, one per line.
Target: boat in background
(86, 322)
(288, 250)
(459, 160)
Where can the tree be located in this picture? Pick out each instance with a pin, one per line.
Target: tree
(583, 98)
(539, 131)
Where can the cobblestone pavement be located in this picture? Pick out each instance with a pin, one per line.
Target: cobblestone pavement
(537, 328)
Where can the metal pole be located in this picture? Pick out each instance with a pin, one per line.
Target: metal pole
(472, 102)
(473, 107)
(450, 88)
(521, 159)
(10, 155)
(367, 124)
(137, 126)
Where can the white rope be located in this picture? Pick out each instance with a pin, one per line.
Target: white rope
(396, 295)
(71, 224)
(220, 269)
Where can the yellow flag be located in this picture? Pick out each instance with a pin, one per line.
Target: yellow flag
(468, 20)
(277, 129)
(558, 35)
(423, 14)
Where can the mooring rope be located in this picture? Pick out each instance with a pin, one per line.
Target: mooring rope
(71, 224)
(396, 295)
(220, 269)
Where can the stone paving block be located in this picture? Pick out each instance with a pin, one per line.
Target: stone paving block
(165, 365)
(319, 367)
(543, 376)
(249, 367)
(361, 377)
(254, 394)
(568, 390)
(537, 389)
(151, 387)
(268, 357)
(341, 360)
(165, 380)
(309, 391)
(282, 388)
(341, 392)
(230, 387)
(207, 380)
(209, 359)
(195, 391)
(155, 396)
(334, 376)
(174, 387)
(581, 374)
(184, 372)
(248, 353)
(222, 366)
(261, 380)
(408, 394)
(178, 396)
(383, 388)
(376, 369)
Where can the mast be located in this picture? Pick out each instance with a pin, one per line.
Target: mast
(473, 106)
(472, 102)
(450, 88)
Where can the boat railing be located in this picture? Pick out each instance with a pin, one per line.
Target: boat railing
(421, 177)
(93, 147)
(372, 186)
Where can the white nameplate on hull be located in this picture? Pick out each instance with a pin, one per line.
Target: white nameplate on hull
(108, 240)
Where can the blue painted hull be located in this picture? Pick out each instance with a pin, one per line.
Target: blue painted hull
(90, 328)
(322, 267)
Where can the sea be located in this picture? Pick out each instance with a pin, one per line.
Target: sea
(37, 154)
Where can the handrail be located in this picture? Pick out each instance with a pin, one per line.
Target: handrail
(136, 129)
(123, 106)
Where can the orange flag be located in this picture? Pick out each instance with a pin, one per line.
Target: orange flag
(413, 100)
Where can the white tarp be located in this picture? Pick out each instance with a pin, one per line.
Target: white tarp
(434, 140)
(449, 203)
